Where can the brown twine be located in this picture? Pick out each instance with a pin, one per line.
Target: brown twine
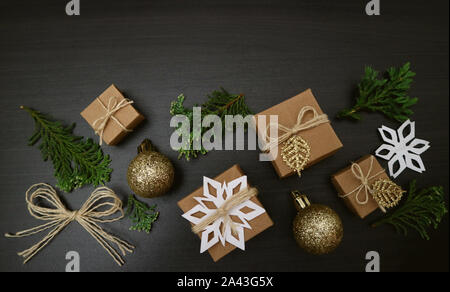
(99, 124)
(224, 210)
(299, 126)
(59, 217)
(364, 179)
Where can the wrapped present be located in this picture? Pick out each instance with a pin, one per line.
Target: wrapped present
(365, 186)
(112, 116)
(305, 135)
(225, 213)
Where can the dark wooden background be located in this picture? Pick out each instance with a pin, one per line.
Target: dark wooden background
(269, 50)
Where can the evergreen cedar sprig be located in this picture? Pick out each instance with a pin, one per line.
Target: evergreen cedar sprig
(221, 103)
(76, 162)
(420, 210)
(387, 95)
(141, 215)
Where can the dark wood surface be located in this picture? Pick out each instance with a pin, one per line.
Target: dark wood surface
(269, 50)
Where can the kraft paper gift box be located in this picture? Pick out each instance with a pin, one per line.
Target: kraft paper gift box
(322, 139)
(345, 182)
(258, 224)
(128, 116)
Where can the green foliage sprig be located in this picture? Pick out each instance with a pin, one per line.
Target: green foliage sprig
(221, 103)
(141, 215)
(387, 95)
(420, 210)
(76, 162)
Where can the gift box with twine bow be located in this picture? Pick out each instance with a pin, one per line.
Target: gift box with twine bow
(256, 225)
(355, 185)
(299, 116)
(112, 116)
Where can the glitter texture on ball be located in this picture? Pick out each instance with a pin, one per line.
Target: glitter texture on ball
(150, 174)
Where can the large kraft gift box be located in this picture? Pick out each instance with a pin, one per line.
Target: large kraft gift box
(322, 139)
(128, 116)
(345, 182)
(258, 224)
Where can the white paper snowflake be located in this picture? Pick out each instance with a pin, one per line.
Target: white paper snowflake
(223, 192)
(403, 149)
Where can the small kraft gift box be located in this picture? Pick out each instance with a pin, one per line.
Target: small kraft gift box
(365, 186)
(112, 116)
(225, 213)
(305, 135)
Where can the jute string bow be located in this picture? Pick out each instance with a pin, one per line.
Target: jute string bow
(364, 179)
(299, 126)
(59, 217)
(113, 106)
(224, 210)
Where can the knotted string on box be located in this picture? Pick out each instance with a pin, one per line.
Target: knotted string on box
(364, 182)
(299, 126)
(224, 210)
(111, 109)
(295, 151)
(385, 192)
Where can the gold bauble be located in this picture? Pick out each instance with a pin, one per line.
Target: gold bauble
(150, 173)
(317, 228)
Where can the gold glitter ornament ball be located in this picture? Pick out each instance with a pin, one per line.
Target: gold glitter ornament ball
(150, 173)
(317, 228)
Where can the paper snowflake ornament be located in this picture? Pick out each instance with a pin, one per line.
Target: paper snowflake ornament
(402, 149)
(220, 230)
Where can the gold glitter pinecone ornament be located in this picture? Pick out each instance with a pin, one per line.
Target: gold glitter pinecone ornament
(150, 173)
(295, 153)
(317, 228)
(386, 193)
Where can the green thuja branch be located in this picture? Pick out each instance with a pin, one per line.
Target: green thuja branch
(386, 95)
(221, 103)
(76, 162)
(421, 209)
(141, 215)
(187, 149)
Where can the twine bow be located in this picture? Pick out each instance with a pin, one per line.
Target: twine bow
(299, 126)
(99, 124)
(224, 210)
(364, 179)
(59, 217)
